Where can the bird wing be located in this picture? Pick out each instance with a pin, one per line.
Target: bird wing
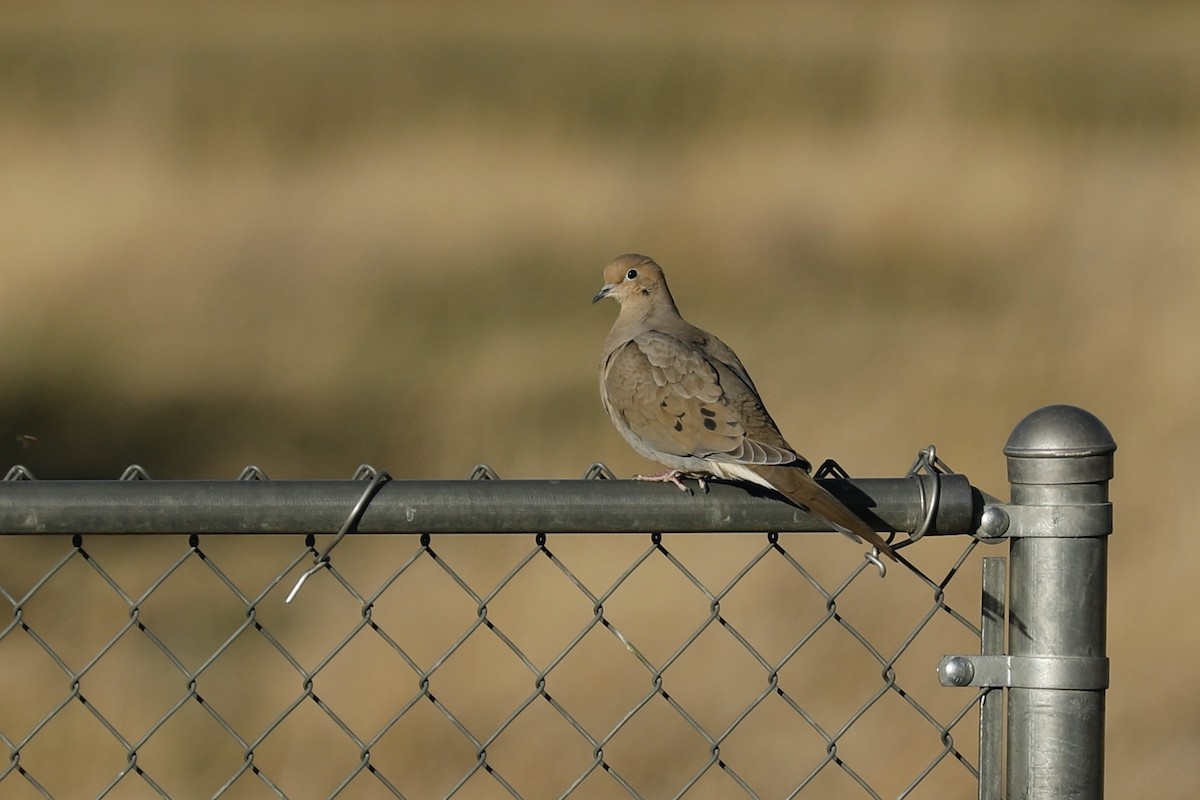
(680, 399)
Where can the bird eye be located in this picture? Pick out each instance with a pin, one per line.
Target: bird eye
(631, 274)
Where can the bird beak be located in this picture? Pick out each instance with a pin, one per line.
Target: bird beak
(604, 292)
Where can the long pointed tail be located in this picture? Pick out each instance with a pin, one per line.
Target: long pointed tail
(798, 486)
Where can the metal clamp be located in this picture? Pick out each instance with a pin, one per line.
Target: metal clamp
(1057, 521)
(1025, 672)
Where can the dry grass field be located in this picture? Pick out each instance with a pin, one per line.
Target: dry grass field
(308, 237)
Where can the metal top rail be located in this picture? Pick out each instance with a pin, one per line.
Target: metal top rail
(467, 506)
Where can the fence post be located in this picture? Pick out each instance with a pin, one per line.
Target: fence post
(1060, 459)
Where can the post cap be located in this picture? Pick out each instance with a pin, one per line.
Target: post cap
(1059, 431)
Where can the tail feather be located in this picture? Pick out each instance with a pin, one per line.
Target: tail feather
(800, 488)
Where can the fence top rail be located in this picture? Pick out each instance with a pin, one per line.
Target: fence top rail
(463, 506)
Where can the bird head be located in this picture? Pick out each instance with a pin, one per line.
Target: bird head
(634, 280)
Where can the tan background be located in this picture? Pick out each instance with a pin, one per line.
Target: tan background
(310, 238)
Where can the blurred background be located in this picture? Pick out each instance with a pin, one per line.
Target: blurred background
(308, 237)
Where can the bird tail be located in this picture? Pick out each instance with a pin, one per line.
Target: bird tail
(800, 488)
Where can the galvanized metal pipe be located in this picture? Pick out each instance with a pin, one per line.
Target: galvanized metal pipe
(476, 506)
(1060, 459)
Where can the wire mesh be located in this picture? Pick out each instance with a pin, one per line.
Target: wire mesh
(705, 665)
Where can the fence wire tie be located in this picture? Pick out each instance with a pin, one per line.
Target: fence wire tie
(927, 462)
(872, 557)
(832, 469)
(378, 478)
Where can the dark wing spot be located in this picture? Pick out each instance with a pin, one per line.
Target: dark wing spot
(678, 425)
(710, 424)
(708, 412)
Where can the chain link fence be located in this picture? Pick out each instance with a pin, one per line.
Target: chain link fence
(564, 661)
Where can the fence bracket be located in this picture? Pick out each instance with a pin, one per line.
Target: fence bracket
(1085, 673)
(1056, 521)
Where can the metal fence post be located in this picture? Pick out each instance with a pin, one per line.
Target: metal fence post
(1060, 459)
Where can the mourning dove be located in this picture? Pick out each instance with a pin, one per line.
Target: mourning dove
(682, 398)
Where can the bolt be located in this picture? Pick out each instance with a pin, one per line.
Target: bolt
(994, 522)
(959, 671)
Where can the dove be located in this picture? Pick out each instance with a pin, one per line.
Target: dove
(681, 397)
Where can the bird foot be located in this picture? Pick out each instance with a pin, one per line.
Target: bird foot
(673, 476)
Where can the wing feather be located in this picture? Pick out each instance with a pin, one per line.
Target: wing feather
(679, 400)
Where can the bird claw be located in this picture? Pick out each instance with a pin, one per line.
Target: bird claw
(673, 476)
